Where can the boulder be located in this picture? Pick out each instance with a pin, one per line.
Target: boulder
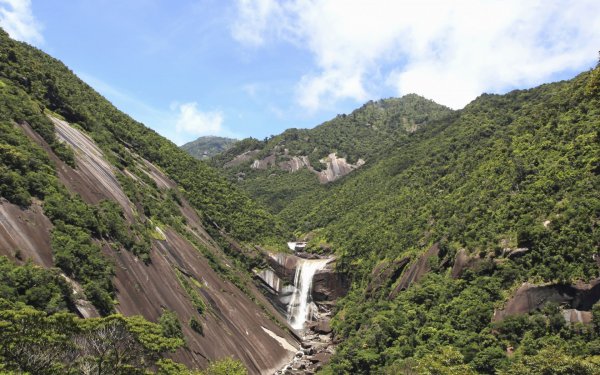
(577, 316)
(464, 261)
(416, 271)
(284, 265)
(322, 358)
(322, 327)
(531, 297)
(385, 274)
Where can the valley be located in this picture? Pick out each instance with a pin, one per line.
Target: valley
(402, 238)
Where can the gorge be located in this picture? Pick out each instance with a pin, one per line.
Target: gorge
(427, 240)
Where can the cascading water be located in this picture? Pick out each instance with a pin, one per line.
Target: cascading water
(301, 307)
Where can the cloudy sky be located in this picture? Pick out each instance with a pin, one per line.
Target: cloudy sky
(256, 67)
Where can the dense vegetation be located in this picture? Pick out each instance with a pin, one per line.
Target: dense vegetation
(517, 171)
(364, 133)
(208, 146)
(368, 133)
(53, 86)
(521, 170)
(40, 333)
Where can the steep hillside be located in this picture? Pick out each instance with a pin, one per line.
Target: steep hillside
(297, 162)
(100, 215)
(206, 147)
(473, 246)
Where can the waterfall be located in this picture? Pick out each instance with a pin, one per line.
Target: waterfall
(301, 307)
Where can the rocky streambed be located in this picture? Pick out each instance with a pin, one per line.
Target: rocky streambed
(317, 348)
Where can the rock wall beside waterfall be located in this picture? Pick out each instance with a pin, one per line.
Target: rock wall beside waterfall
(329, 285)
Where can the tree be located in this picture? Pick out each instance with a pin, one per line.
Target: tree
(226, 366)
(171, 327)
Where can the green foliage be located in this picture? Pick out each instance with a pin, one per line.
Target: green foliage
(368, 133)
(491, 174)
(554, 361)
(226, 366)
(169, 367)
(519, 170)
(16, 106)
(191, 289)
(49, 84)
(171, 327)
(24, 168)
(80, 258)
(37, 343)
(196, 325)
(446, 361)
(37, 287)
(208, 146)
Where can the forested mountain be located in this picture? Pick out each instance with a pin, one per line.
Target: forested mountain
(470, 238)
(100, 215)
(473, 242)
(208, 146)
(299, 161)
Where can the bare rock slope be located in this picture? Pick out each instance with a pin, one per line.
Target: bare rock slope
(234, 324)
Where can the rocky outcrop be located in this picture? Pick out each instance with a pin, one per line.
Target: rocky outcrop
(464, 261)
(318, 346)
(25, 234)
(264, 163)
(94, 175)
(294, 164)
(329, 285)
(416, 271)
(242, 158)
(284, 265)
(336, 168)
(530, 297)
(384, 275)
(577, 316)
(233, 323)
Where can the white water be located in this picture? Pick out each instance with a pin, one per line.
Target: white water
(301, 307)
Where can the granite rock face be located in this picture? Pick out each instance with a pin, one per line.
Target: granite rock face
(578, 298)
(385, 274)
(416, 271)
(237, 326)
(328, 285)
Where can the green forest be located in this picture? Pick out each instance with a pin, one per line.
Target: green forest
(507, 172)
(41, 330)
(510, 184)
(206, 147)
(521, 170)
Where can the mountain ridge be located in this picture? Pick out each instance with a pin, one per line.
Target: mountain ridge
(117, 219)
(206, 147)
(278, 169)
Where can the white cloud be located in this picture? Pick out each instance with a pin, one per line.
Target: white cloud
(252, 22)
(18, 21)
(449, 51)
(180, 122)
(192, 121)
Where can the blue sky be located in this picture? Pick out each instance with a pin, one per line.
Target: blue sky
(257, 67)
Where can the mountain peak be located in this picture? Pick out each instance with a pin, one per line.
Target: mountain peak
(208, 146)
